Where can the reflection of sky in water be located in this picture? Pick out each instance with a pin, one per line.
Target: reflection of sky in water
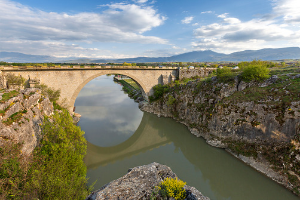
(107, 112)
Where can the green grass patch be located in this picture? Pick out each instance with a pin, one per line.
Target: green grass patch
(132, 83)
(8, 95)
(14, 117)
(2, 112)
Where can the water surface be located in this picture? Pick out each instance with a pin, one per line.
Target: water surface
(120, 136)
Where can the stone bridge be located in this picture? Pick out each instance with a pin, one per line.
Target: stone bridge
(71, 80)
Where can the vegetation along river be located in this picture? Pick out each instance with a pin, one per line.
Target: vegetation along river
(120, 136)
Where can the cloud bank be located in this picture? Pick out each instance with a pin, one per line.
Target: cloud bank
(280, 29)
(21, 25)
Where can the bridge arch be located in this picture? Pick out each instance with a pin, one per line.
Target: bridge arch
(101, 73)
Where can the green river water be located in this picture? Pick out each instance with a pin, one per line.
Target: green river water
(120, 136)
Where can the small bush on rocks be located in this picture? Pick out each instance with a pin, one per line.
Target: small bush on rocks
(172, 187)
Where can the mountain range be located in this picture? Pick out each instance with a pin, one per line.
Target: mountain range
(194, 56)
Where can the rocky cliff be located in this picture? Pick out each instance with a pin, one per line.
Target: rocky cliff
(21, 117)
(258, 122)
(139, 183)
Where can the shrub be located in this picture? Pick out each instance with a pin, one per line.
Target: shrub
(225, 74)
(255, 72)
(171, 187)
(159, 91)
(171, 100)
(12, 171)
(55, 171)
(49, 92)
(58, 171)
(15, 80)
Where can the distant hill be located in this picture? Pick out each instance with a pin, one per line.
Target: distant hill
(194, 56)
(20, 57)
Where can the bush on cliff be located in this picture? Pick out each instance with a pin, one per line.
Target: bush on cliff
(225, 74)
(15, 80)
(55, 170)
(59, 171)
(255, 72)
(172, 187)
(159, 91)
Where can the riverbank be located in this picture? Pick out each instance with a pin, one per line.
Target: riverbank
(131, 88)
(258, 122)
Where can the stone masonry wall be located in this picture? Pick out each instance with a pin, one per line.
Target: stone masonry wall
(189, 73)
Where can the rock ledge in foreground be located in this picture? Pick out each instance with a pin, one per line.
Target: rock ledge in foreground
(139, 182)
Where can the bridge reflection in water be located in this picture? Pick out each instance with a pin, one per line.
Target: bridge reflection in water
(139, 142)
(213, 171)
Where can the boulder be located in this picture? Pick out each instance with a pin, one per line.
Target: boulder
(139, 183)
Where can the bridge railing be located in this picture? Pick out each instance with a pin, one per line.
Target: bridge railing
(87, 67)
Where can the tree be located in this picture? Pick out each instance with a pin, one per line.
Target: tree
(126, 64)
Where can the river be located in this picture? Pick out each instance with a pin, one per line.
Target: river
(120, 136)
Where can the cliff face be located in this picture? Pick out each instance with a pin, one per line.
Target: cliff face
(210, 110)
(21, 117)
(258, 122)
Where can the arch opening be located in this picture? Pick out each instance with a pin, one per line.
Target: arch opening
(141, 85)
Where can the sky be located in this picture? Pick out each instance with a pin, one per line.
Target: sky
(146, 28)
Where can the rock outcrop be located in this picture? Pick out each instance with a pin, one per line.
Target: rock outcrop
(139, 183)
(22, 117)
(203, 107)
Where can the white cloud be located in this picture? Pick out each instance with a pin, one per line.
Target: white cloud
(187, 20)
(289, 9)
(231, 34)
(120, 22)
(207, 12)
(141, 1)
(223, 15)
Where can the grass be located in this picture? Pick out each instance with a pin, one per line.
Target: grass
(132, 83)
(272, 94)
(284, 70)
(8, 95)
(14, 117)
(2, 112)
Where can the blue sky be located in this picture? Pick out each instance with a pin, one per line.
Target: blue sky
(132, 28)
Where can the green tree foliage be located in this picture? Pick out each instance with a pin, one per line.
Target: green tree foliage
(159, 91)
(255, 72)
(55, 170)
(12, 171)
(59, 171)
(225, 74)
(126, 64)
(267, 64)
